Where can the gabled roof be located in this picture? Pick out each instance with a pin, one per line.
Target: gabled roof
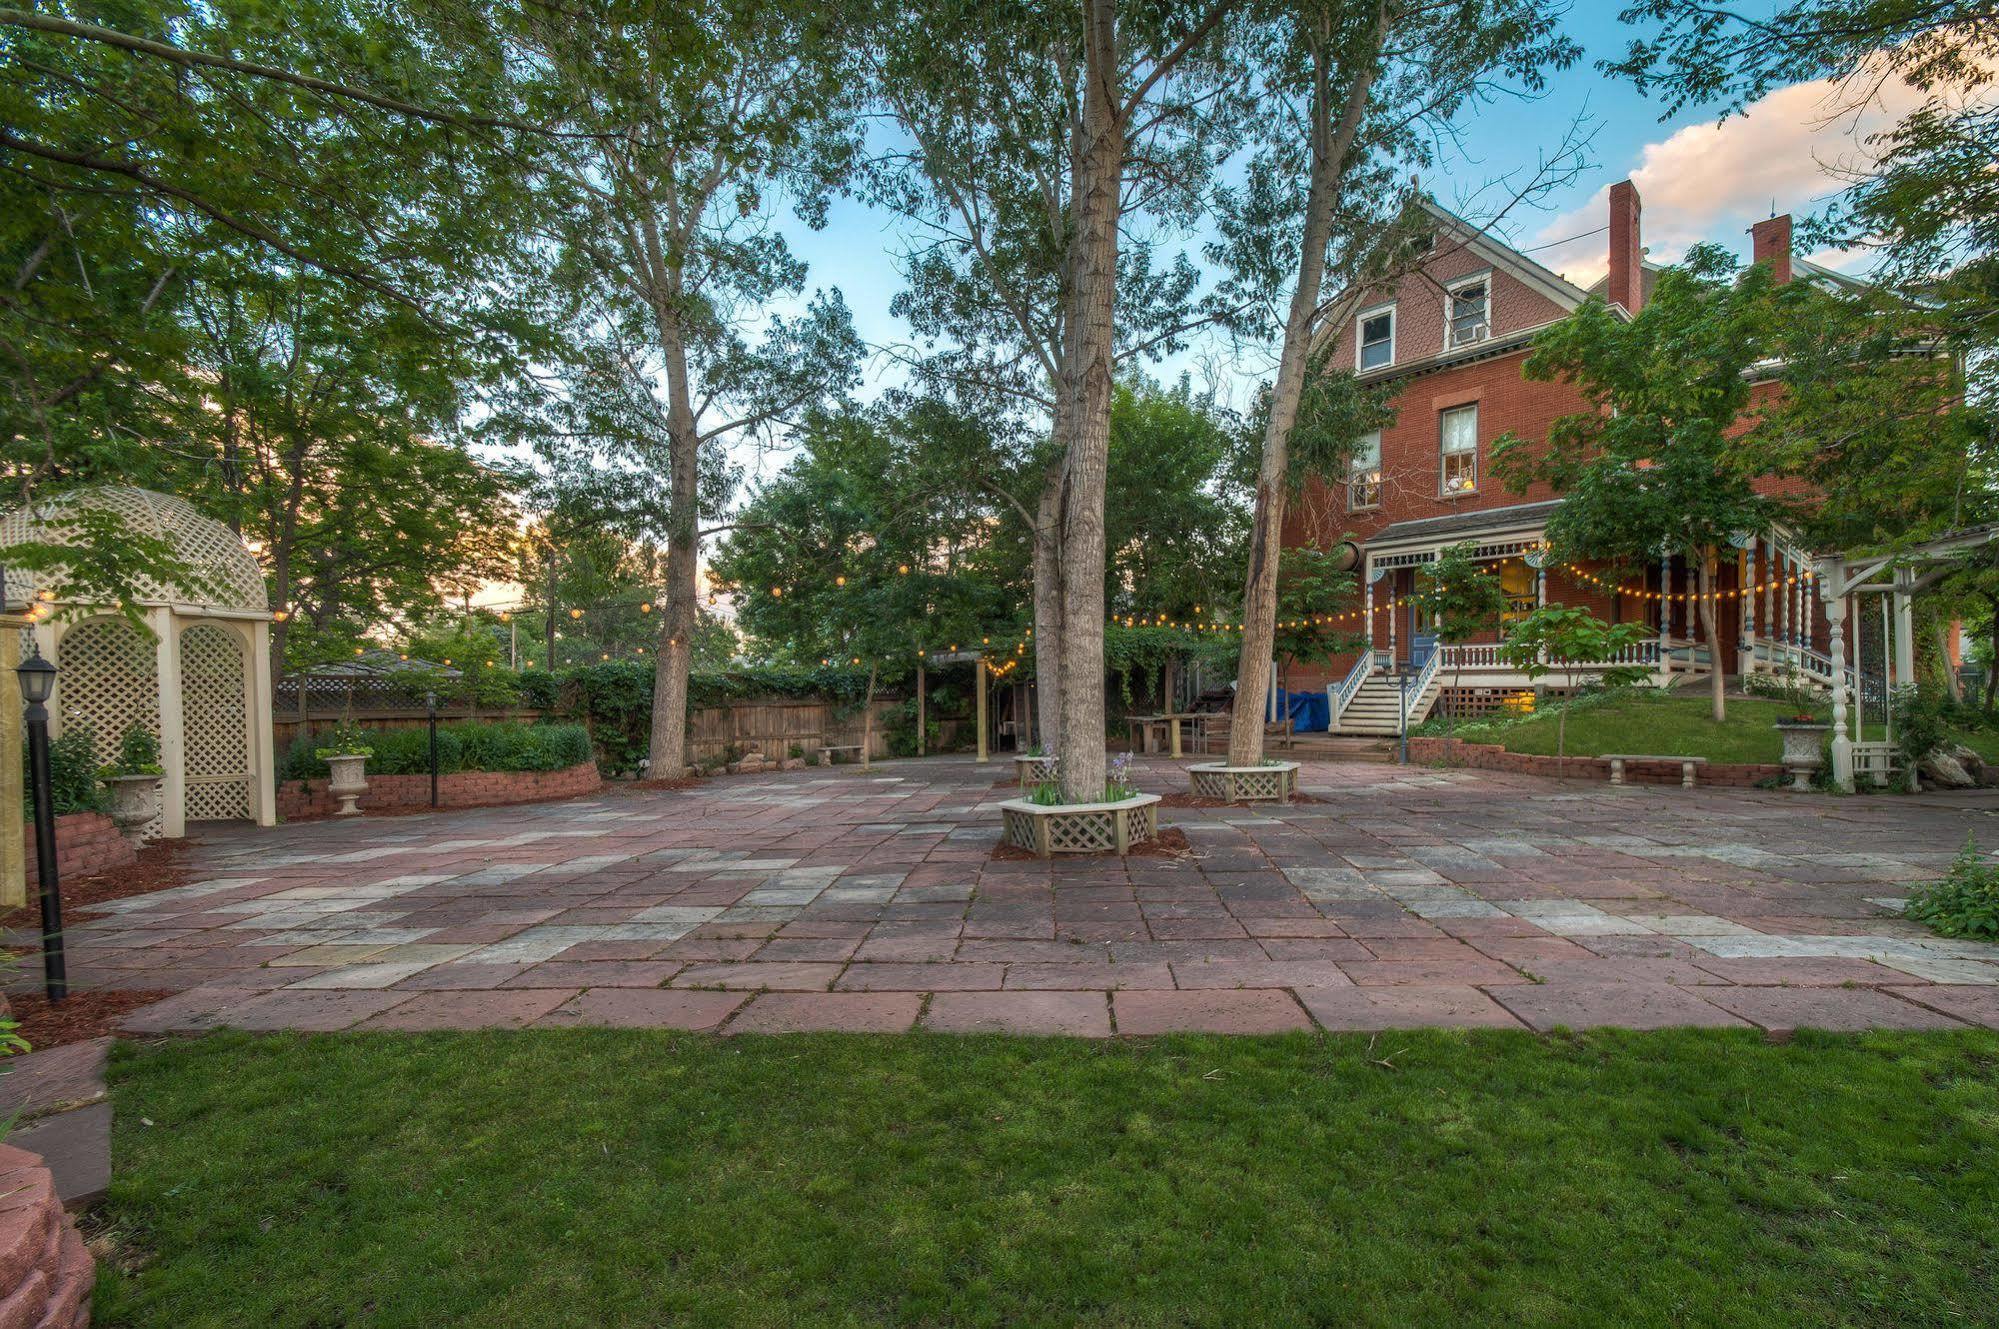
(1506, 258)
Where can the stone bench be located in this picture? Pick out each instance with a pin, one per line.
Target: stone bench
(826, 753)
(1686, 765)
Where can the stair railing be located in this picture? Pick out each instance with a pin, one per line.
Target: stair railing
(1340, 695)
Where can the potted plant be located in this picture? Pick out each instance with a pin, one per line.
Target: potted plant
(346, 756)
(1801, 729)
(134, 779)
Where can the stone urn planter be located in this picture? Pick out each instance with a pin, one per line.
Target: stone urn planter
(135, 803)
(1273, 782)
(1034, 770)
(1045, 829)
(350, 781)
(1804, 749)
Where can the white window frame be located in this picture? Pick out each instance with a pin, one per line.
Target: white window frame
(1451, 342)
(1355, 472)
(1443, 454)
(1360, 343)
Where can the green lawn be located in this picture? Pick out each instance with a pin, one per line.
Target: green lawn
(581, 1177)
(1668, 723)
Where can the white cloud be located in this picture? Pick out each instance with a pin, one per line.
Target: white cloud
(1710, 181)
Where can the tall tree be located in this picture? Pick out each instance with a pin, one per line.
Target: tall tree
(1658, 464)
(1356, 86)
(988, 101)
(691, 123)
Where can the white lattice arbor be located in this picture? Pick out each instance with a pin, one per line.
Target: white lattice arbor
(201, 683)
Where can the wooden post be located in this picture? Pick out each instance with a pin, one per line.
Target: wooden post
(13, 808)
(979, 674)
(919, 708)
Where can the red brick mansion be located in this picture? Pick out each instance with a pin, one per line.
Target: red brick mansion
(1451, 338)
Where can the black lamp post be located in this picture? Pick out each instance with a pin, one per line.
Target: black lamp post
(430, 707)
(38, 683)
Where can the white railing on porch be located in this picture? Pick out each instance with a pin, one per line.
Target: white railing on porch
(1488, 655)
(1414, 686)
(1341, 694)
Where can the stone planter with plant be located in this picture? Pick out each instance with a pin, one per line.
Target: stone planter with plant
(346, 756)
(134, 778)
(1801, 729)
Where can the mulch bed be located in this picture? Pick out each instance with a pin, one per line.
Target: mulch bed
(78, 1017)
(161, 864)
(689, 782)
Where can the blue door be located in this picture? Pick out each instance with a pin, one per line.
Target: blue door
(1422, 645)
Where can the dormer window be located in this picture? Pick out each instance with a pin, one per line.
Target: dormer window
(1376, 344)
(1469, 311)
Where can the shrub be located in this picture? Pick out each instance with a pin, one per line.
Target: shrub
(1966, 902)
(466, 746)
(138, 754)
(72, 774)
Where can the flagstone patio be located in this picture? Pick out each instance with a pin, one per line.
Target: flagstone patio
(857, 900)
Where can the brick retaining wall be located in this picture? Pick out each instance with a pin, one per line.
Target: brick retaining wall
(46, 1272)
(1494, 757)
(304, 799)
(86, 843)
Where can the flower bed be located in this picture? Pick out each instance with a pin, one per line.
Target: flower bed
(46, 1272)
(86, 843)
(302, 799)
(1045, 829)
(1273, 782)
(1493, 757)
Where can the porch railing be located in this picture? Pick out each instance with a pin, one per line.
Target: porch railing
(1414, 686)
(1341, 694)
(1487, 655)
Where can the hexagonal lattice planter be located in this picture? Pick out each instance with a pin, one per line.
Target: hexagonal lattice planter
(1079, 828)
(1034, 770)
(1273, 783)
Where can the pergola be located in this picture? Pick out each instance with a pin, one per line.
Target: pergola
(200, 683)
(1893, 579)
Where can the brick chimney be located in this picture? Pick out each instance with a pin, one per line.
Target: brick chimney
(1627, 279)
(1770, 242)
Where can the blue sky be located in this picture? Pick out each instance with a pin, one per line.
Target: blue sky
(1698, 180)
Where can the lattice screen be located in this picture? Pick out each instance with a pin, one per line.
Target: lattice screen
(107, 679)
(218, 744)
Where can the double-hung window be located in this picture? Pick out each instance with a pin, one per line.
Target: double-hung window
(1458, 450)
(1469, 313)
(1376, 342)
(1364, 477)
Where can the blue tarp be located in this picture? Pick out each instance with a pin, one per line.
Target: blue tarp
(1310, 712)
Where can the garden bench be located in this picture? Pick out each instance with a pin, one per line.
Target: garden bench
(1686, 765)
(826, 753)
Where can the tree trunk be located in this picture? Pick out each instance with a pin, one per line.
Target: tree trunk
(1259, 610)
(548, 626)
(1951, 682)
(868, 718)
(683, 547)
(1048, 613)
(1717, 679)
(1099, 180)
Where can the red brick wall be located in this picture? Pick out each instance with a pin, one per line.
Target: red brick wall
(303, 799)
(1493, 757)
(1419, 307)
(46, 1271)
(86, 843)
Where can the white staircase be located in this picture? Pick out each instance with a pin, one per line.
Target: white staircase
(1376, 707)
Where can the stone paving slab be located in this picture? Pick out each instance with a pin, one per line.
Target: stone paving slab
(1403, 896)
(1084, 1014)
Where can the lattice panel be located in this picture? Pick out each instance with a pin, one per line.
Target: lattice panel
(1035, 770)
(107, 679)
(1260, 784)
(1079, 832)
(218, 742)
(211, 551)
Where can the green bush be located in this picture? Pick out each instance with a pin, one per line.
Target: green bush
(1966, 902)
(72, 774)
(465, 746)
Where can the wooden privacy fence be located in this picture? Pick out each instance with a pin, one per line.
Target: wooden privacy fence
(773, 726)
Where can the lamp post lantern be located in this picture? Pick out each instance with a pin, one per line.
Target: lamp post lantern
(38, 682)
